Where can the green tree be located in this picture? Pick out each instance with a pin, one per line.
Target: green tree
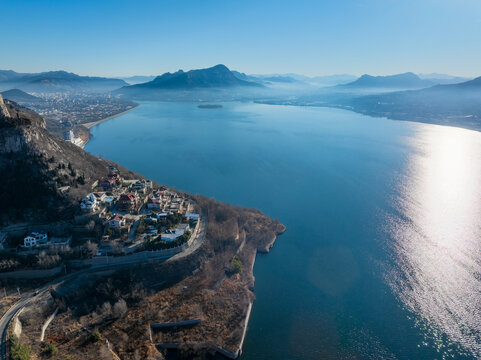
(51, 349)
(95, 336)
(237, 264)
(17, 350)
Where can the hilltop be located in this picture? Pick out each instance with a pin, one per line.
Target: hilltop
(19, 96)
(407, 80)
(57, 81)
(218, 77)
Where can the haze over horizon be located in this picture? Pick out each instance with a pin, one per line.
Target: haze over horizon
(116, 39)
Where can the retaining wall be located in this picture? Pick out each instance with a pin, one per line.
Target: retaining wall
(32, 274)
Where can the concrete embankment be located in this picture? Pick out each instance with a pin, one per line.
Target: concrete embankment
(47, 323)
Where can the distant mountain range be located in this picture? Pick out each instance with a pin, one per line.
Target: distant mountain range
(326, 80)
(245, 77)
(454, 104)
(337, 79)
(407, 80)
(57, 81)
(444, 79)
(279, 79)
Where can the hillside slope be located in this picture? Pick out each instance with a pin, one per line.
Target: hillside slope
(19, 96)
(399, 81)
(458, 105)
(57, 81)
(38, 164)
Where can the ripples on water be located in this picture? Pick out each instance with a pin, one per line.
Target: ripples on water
(437, 249)
(321, 294)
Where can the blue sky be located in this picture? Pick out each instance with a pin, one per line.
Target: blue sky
(120, 38)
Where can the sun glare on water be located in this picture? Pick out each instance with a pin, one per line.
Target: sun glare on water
(437, 237)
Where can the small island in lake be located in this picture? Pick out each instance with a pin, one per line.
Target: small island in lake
(209, 106)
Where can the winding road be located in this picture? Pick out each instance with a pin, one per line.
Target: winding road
(32, 295)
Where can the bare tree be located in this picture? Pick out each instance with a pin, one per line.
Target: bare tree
(46, 261)
(8, 264)
(120, 308)
(106, 309)
(91, 248)
(90, 225)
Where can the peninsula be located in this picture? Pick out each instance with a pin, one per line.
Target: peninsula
(110, 264)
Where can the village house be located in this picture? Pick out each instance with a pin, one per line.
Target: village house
(157, 195)
(108, 184)
(139, 184)
(154, 204)
(116, 222)
(127, 202)
(34, 239)
(162, 216)
(89, 203)
(108, 201)
(142, 185)
(99, 196)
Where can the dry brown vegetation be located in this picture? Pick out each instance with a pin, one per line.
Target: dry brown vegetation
(121, 306)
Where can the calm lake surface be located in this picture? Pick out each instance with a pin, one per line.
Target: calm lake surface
(382, 254)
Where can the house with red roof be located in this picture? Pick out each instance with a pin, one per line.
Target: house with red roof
(108, 184)
(116, 221)
(127, 202)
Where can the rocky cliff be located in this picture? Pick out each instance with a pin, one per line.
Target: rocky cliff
(34, 164)
(3, 109)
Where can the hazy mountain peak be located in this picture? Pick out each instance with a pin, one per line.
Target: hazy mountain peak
(407, 80)
(218, 76)
(57, 81)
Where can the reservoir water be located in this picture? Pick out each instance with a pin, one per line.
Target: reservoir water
(382, 254)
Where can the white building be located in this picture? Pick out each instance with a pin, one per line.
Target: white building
(142, 184)
(34, 239)
(89, 203)
(70, 137)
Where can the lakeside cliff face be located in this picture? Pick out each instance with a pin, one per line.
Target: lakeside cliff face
(3, 109)
(38, 164)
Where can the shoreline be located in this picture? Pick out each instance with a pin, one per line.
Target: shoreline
(375, 115)
(90, 125)
(259, 250)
